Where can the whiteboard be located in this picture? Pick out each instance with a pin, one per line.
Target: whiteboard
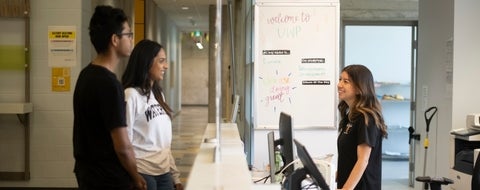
(296, 63)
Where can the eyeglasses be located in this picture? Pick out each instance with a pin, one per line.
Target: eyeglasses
(128, 34)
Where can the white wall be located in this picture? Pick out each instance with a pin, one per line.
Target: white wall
(434, 87)
(466, 58)
(466, 48)
(52, 118)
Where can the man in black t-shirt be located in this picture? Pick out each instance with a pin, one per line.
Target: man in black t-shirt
(104, 158)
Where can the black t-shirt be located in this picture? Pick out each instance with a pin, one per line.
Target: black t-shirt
(98, 107)
(351, 135)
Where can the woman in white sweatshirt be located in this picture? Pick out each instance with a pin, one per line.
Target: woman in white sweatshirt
(149, 117)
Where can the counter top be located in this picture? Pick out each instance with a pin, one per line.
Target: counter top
(231, 171)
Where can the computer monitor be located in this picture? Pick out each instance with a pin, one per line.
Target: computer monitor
(286, 142)
(271, 156)
(309, 167)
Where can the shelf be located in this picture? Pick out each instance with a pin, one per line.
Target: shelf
(18, 57)
(406, 100)
(399, 157)
(386, 84)
(393, 92)
(15, 108)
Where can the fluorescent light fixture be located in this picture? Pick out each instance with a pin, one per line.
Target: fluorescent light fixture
(199, 45)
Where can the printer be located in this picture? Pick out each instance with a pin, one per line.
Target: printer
(466, 150)
(472, 126)
(473, 121)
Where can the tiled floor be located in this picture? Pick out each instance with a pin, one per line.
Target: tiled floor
(188, 129)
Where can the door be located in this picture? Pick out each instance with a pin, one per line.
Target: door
(388, 50)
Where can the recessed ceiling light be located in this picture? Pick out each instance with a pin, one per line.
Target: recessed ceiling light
(185, 8)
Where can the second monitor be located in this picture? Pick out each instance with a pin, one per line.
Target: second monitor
(285, 144)
(309, 168)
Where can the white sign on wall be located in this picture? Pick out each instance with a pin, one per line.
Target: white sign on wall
(296, 63)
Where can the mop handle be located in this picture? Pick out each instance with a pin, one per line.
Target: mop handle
(428, 119)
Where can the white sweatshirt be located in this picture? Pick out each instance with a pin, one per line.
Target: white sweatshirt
(150, 131)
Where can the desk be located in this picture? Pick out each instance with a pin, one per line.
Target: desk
(231, 172)
(22, 110)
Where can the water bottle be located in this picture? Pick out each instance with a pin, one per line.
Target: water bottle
(278, 165)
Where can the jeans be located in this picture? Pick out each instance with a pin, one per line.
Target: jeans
(159, 182)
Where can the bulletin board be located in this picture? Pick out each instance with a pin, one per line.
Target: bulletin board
(296, 49)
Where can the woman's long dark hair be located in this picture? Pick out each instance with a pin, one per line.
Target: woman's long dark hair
(366, 102)
(137, 75)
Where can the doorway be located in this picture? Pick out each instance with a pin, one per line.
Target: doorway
(389, 51)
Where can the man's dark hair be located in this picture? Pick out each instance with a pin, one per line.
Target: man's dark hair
(105, 22)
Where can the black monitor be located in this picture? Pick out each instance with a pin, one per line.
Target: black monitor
(286, 142)
(309, 167)
(271, 156)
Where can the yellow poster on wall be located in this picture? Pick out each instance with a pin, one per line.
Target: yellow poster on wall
(61, 79)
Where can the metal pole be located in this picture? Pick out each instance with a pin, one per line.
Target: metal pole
(218, 48)
(232, 45)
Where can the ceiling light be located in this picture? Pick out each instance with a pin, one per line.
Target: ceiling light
(185, 8)
(199, 45)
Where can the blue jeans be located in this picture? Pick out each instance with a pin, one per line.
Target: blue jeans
(159, 182)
